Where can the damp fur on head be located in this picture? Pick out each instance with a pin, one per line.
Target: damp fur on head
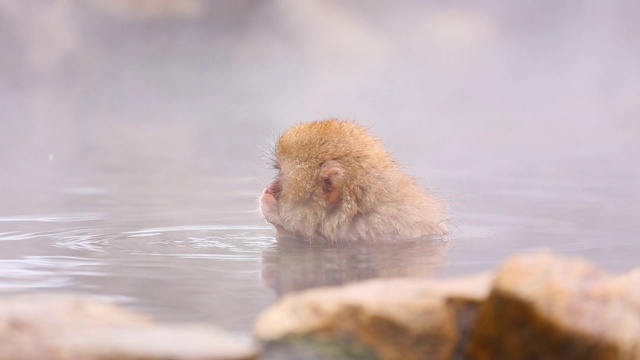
(336, 181)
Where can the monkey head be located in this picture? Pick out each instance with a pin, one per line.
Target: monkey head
(336, 182)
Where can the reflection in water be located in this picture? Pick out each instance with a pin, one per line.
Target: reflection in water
(295, 265)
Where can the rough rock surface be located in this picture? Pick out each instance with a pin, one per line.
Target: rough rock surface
(544, 306)
(59, 327)
(388, 319)
(538, 306)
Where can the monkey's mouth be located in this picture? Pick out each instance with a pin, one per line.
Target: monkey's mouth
(269, 207)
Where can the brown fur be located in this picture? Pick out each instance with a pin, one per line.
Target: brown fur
(337, 183)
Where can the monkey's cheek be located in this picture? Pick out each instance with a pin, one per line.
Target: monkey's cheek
(269, 208)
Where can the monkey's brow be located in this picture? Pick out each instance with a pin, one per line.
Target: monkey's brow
(275, 164)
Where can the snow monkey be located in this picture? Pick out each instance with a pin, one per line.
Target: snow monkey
(336, 183)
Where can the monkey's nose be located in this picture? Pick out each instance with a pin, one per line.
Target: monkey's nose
(273, 188)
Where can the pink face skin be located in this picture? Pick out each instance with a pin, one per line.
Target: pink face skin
(269, 203)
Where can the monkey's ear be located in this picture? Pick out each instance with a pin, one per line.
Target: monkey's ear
(331, 180)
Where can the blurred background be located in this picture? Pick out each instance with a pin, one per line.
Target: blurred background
(133, 136)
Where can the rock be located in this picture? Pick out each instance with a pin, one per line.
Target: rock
(58, 327)
(157, 342)
(540, 306)
(387, 319)
(545, 306)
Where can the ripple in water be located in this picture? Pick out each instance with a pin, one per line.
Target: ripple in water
(52, 218)
(41, 272)
(238, 242)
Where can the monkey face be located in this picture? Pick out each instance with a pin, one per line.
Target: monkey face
(302, 197)
(269, 203)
